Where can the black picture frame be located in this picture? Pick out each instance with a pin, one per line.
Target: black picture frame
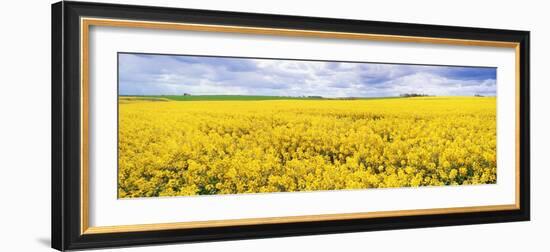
(66, 124)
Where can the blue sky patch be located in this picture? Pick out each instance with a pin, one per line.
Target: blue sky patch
(149, 74)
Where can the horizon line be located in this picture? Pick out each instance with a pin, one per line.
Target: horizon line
(311, 96)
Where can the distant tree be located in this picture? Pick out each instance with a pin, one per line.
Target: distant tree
(413, 95)
(186, 94)
(478, 95)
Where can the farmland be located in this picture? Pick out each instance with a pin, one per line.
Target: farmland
(197, 145)
(232, 98)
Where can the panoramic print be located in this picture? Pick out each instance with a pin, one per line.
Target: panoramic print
(208, 125)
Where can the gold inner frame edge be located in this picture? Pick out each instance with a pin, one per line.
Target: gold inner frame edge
(85, 24)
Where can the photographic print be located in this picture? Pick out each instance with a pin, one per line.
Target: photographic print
(295, 126)
(207, 125)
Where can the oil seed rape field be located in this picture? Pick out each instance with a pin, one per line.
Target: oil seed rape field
(171, 148)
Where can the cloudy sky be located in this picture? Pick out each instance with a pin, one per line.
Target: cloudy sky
(148, 74)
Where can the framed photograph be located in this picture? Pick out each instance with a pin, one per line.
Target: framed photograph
(182, 125)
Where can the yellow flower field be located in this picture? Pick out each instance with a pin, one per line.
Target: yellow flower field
(169, 148)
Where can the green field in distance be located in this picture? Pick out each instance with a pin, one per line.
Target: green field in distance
(234, 98)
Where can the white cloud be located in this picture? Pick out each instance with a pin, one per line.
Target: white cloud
(162, 74)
